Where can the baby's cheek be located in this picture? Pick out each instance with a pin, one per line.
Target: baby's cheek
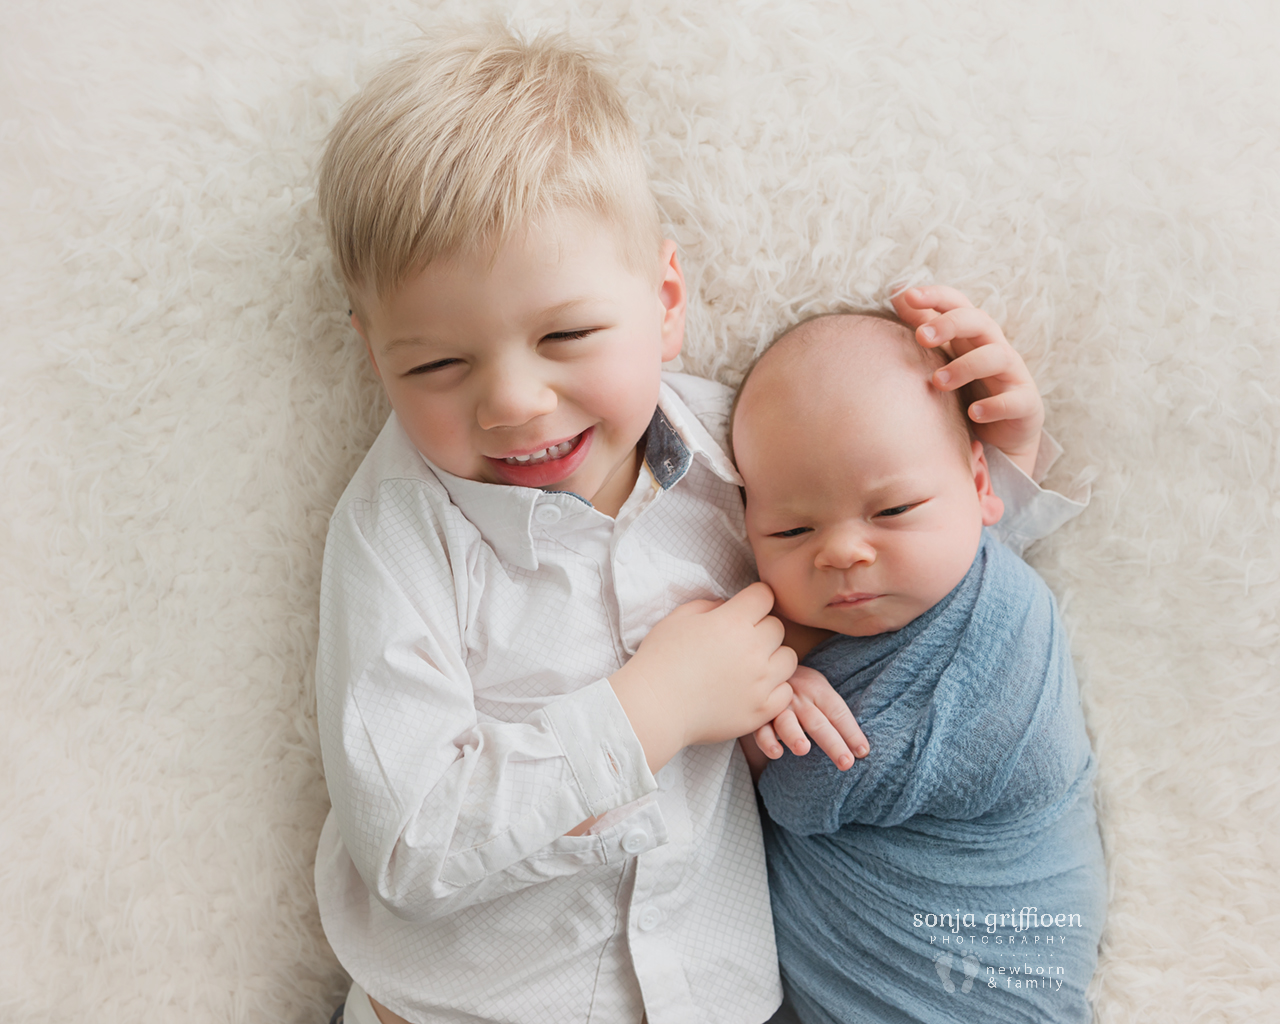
(791, 597)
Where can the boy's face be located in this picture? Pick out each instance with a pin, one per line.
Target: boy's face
(537, 365)
(862, 509)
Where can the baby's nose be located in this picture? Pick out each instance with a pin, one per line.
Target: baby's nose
(843, 549)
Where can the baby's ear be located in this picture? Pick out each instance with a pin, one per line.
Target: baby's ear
(988, 501)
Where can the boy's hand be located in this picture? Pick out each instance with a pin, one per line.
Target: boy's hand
(708, 672)
(1009, 415)
(818, 710)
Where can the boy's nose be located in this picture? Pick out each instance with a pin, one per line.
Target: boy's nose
(511, 398)
(843, 549)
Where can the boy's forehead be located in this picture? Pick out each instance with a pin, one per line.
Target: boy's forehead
(544, 241)
(541, 253)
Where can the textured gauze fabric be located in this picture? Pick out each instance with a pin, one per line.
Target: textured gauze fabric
(975, 802)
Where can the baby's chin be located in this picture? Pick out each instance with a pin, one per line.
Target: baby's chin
(875, 628)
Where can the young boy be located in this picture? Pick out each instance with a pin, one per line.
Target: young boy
(540, 629)
(975, 801)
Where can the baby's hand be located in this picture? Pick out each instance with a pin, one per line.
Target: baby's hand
(1009, 415)
(818, 710)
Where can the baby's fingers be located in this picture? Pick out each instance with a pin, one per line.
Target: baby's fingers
(787, 728)
(767, 740)
(834, 730)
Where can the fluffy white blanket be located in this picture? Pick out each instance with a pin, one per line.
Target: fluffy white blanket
(183, 403)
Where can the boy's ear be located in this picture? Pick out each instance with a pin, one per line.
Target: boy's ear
(368, 348)
(672, 294)
(988, 501)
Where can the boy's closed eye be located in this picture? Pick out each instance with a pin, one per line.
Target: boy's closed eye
(431, 367)
(570, 335)
(440, 364)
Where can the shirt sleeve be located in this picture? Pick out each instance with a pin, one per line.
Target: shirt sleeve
(1030, 512)
(437, 809)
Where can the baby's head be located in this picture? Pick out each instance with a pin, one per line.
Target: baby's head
(866, 495)
(489, 211)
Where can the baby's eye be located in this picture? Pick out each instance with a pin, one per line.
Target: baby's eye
(791, 533)
(439, 364)
(897, 510)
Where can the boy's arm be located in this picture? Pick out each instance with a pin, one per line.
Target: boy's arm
(1008, 417)
(438, 810)
(1009, 414)
(1030, 511)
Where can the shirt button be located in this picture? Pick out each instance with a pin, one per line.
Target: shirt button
(547, 514)
(649, 919)
(666, 777)
(635, 840)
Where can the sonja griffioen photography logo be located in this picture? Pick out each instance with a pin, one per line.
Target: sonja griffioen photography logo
(1013, 949)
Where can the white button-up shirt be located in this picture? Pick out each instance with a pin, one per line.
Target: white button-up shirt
(467, 723)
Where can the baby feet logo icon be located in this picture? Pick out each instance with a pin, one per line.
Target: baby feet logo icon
(946, 962)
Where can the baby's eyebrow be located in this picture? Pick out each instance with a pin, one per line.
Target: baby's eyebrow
(876, 486)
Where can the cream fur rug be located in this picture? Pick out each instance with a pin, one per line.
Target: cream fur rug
(183, 403)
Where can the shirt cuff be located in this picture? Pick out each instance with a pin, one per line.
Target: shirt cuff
(603, 751)
(1030, 512)
(1046, 455)
(632, 829)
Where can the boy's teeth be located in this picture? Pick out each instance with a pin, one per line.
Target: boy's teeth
(556, 451)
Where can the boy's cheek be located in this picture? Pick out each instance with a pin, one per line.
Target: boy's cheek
(443, 443)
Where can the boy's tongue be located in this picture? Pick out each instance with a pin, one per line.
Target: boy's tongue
(548, 467)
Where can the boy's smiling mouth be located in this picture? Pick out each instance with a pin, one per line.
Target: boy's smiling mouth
(555, 451)
(543, 466)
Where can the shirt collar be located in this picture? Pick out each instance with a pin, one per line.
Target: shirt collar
(504, 514)
(674, 419)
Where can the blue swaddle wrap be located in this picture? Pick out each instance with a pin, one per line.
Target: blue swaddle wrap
(975, 802)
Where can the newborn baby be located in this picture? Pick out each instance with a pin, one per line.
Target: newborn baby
(955, 873)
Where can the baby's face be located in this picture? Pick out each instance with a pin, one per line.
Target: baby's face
(538, 365)
(864, 507)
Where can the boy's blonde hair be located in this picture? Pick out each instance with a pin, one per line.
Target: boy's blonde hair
(453, 148)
